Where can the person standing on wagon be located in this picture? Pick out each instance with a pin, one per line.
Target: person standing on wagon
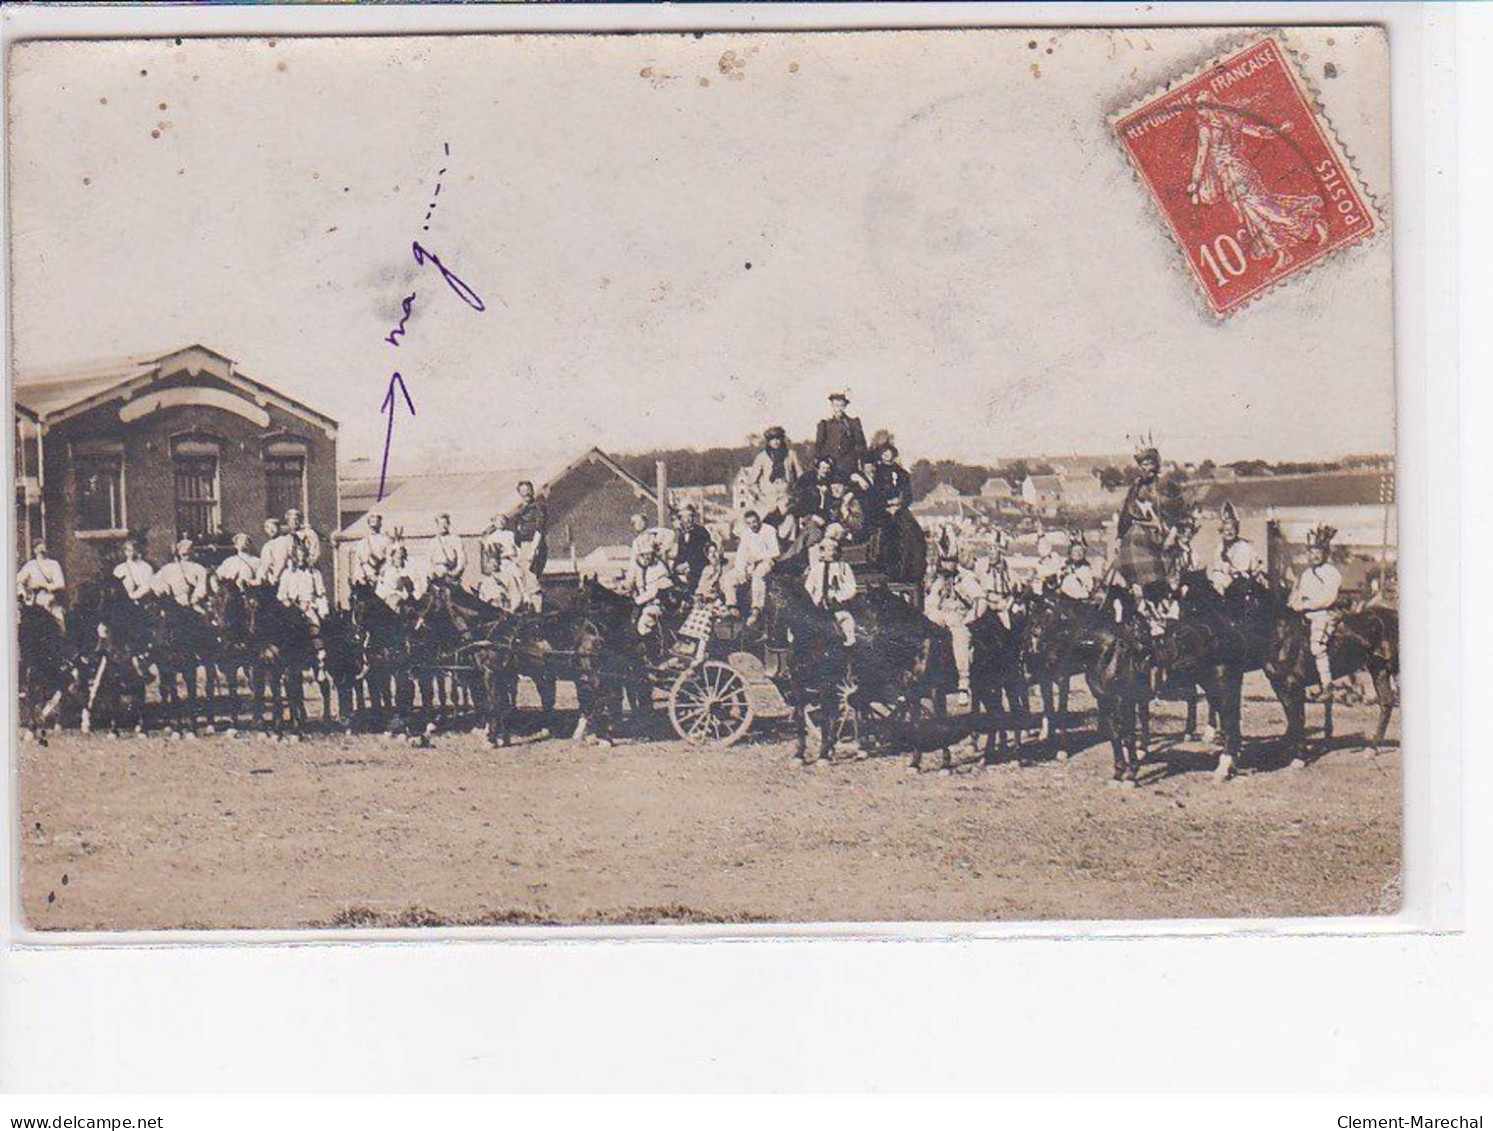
(840, 437)
(530, 528)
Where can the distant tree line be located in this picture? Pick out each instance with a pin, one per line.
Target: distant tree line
(694, 466)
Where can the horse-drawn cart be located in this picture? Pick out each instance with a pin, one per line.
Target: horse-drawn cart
(739, 678)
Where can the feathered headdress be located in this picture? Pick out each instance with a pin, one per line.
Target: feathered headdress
(1145, 448)
(1228, 513)
(1076, 538)
(1322, 536)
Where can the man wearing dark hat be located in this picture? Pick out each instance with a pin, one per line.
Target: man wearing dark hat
(891, 477)
(772, 476)
(840, 437)
(813, 497)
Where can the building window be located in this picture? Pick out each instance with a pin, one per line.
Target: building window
(284, 483)
(100, 482)
(197, 513)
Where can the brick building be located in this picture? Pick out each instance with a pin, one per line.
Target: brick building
(155, 447)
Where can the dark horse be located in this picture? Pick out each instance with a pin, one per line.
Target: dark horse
(588, 637)
(899, 659)
(48, 668)
(284, 651)
(1219, 639)
(1214, 641)
(998, 681)
(233, 614)
(183, 640)
(1118, 671)
(813, 661)
(610, 660)
(1366, 640)
(382, 637)
(437, 624)
(1056, 644)
(112, 640)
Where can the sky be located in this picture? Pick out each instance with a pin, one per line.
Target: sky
(680, 240)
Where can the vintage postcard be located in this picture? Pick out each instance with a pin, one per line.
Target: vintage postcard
(711, 478)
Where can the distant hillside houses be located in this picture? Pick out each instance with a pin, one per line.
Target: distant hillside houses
(1043, 493)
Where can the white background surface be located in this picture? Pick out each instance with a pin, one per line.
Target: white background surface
(1253, 1013)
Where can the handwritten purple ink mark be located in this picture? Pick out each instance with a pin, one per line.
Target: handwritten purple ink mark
(389, 406)
(398, 332)
(462, 291)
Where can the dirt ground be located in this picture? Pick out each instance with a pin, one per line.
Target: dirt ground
(366, 831)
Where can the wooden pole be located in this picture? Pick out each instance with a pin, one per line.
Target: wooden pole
(661, 489)
(1386, 496)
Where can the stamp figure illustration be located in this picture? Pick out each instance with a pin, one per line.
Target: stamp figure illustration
(1246, 173)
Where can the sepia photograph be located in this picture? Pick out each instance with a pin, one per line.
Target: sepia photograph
(722, 478)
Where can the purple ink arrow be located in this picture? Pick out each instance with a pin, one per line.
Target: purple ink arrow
(389, 406)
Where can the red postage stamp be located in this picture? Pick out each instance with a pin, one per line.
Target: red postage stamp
(1250, 179)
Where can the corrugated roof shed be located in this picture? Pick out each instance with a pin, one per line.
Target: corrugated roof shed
(473, 498)
(1329, 489)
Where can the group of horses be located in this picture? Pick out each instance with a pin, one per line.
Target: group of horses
(465, 656)
(367, 659)
(902, 662)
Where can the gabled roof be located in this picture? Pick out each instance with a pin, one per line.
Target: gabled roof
(473, 498)
(54, 393)
(1051, 484)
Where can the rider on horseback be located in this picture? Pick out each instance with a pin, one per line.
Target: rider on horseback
(182, 579)
(274, 555)
(40, 583)
(447, 557)
(994, 577)
(396, 583)
(240, 568)
(301, 587)
(956, 599)
(1076, 581)
(1236, 560)
(371, 552)
(134, 574)
(1142, 533)
(1315, 596)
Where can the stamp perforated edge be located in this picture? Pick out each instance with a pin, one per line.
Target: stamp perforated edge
(1312, 96)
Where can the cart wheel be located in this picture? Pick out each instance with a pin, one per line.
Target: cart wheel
(708, 705)
(846, 725)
